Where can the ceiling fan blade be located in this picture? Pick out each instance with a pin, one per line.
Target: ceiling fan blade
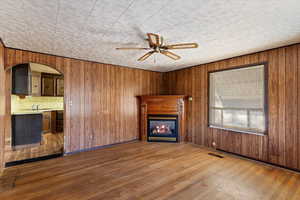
(170, 55)
(181, 46)
(147, 55)
(132, 48)
(153, 39)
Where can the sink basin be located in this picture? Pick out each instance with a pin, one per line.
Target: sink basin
(45, 109)
(41, 109)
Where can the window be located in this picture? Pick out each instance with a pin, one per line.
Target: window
(237, 99)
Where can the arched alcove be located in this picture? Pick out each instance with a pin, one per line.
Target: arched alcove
(49, 106)
(100, 99)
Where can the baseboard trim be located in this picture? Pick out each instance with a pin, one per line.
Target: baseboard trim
(260, 161)
(100, 147)
(20, 162)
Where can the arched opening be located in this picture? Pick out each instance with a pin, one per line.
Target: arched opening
(36, 109)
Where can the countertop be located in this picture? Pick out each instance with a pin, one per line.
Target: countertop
(32, 112)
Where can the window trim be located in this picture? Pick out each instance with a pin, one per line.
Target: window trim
(266, 98)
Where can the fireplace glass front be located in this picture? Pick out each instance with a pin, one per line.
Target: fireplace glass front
(162, 128)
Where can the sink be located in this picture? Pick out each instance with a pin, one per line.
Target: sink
(45, 109)
(41, 109)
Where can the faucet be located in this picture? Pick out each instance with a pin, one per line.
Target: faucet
(35, 107)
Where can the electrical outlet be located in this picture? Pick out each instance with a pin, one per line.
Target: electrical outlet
(214, 144)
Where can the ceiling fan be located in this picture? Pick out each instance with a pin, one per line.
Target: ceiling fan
(156, 45)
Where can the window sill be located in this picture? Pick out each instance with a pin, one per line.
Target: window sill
(237, 131)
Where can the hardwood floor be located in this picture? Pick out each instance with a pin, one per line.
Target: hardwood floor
(52, 143)
(142, 170)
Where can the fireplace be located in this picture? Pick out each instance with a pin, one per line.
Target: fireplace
(162, 128)
(163, 118)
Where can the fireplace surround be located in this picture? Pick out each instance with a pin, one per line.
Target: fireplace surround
(163, 118)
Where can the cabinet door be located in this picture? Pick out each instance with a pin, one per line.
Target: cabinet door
(59, 87)
(46, 122)
(59, 121)
(20, 79)
(48, 85)
(26, 129)
(36, 84)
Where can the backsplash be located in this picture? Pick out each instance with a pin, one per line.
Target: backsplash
(19, 104)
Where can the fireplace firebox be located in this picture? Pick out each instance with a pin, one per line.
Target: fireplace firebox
(162, 128)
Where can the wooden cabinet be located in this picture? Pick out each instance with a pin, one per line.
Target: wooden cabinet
(52, 85)
(53, 121)
(26, 129)
(47, 122)
(21, 79)
(35, 84)
(48, 85)
(59, 121)
(59, 86)
(26, 82)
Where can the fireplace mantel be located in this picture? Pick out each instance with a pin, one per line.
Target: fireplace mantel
(163, 105)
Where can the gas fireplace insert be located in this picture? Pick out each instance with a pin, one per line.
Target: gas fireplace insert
(162, 128)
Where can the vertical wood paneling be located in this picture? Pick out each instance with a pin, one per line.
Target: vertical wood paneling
(101, 107)
(67, 107)
(282, 143)
(298, 104)
(273, 105)
(281, 106)
(263, 142)
(76, 74)
(204, 106)
(2, 105)
(291, 107)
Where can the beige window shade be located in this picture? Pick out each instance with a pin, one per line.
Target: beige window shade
(237, 99)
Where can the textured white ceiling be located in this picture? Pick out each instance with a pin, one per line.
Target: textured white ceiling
(92, 29)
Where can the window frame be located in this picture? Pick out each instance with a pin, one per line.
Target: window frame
(266, 97)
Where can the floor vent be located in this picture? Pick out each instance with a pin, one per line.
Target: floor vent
(216, 155)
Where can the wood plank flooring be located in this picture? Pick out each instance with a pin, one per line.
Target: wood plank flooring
(142, 170)
(52, 143)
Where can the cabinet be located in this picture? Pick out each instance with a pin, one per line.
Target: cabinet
(48, 85)
(59, 86)
(35, 84)
(59, 121)
(26, 82)
(53, 121)
(26, 129)
(52, 85)
(21, 79)
(47, 122)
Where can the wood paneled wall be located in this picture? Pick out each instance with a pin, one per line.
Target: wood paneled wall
(282, 144)
(101, 107)
(2, 104)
